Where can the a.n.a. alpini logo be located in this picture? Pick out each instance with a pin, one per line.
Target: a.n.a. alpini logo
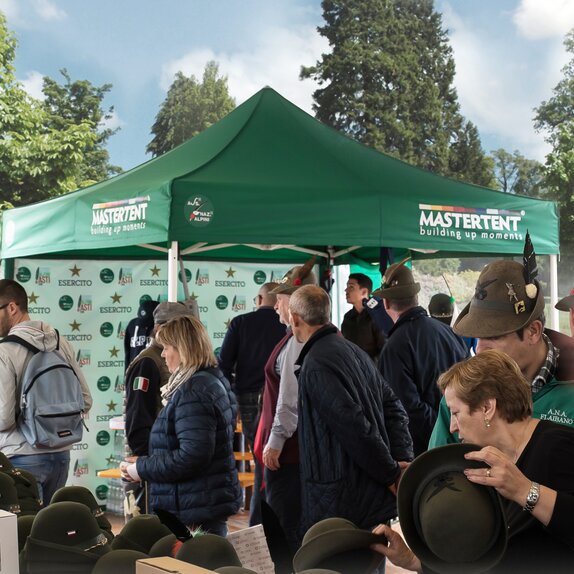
(202, 277)
(199, 210)
(42, 276)
(84, 357)
(259, 277)
(238, 303)
(125, 276)
(84, 303)
(471, 223)
(122, 326)
(23, 274)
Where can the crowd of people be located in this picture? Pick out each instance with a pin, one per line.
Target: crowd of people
(482, 402)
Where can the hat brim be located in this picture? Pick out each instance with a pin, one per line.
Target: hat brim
(398, 292)
(483, 323)
(328, 544)
(421, 471)
(565, 304)
(284, 289)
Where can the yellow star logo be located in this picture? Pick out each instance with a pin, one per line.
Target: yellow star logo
(32, 298)
(116, 298)
(155, 271)
(75, 326)
(75, 271)
(230, 272)
(114, 352)
(227, 323)
(111, 406)
(194, 297)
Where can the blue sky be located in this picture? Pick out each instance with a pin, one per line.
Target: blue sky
(508, 55)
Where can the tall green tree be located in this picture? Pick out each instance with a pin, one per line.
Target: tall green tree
(74, 102)
(189, 108)
(467, 160)
(554, 117)
(37, 161)
(388, 82)
(517, 174)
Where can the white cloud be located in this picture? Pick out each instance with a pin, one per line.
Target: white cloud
(538, 19)
(48, 10)
(33, 84)
(113, 122)
(9, 8)
(500, 82)
(275, 61)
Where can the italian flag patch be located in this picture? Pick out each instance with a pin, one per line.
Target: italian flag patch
(141, 384)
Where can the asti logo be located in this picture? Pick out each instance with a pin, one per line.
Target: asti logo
(119, 385)
(42, 275)
(239, 303)
(125, 276)
(84, 357)
(202, 277)
(123, 325)
(276, 276)
(81, 467)
(84, 303)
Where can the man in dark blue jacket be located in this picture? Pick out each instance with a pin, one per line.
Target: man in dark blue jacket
(419, 349)
(247, 345)
(353, 438)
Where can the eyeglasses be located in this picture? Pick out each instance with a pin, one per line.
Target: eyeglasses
(4, 306)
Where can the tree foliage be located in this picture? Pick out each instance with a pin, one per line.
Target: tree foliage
(388, 82)
(74, 102)
(189, 108)
(37, 159)
(555, 117)
(517, 174)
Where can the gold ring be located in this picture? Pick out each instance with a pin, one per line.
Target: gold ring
(488, 472)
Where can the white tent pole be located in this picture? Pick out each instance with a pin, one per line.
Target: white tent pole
(172, 258)
(554, 319)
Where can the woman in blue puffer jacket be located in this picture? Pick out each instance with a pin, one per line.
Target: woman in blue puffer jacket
(191, 469)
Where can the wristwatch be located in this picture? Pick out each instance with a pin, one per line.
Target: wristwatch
(532, 497)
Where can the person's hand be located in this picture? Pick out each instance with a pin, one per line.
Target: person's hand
(124, 468)
(503, 474)
(271, 458)
(396, 550)
(394, 488)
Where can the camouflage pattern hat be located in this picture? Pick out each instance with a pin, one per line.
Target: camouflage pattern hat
(566, 303)
(8, 495)
(337, 544)
(502, 303)
(140, 533)
(208, 551)
(84, 496)
(296, 277)
(118, 562)
(398, 282)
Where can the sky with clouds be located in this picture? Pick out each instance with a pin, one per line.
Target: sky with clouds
(508, 55)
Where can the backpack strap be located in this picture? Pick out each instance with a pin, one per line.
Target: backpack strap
(23, 342)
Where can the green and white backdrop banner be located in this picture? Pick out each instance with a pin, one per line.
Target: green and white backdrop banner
(91, 302)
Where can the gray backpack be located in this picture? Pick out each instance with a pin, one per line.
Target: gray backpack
(51, 404)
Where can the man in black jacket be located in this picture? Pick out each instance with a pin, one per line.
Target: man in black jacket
(418, 350)
(353, 437)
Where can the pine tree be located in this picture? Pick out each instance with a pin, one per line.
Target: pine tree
(189, 108)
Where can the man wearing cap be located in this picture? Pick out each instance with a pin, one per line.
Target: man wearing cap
(247, 345)
(357, 325)
(50, 467)
(145, 376)
(507, 313)
(417, 351)
(276, 443)
(567, 304)
(139, 331)
(353, 431)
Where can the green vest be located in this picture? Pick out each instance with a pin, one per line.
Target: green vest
(554, 402)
